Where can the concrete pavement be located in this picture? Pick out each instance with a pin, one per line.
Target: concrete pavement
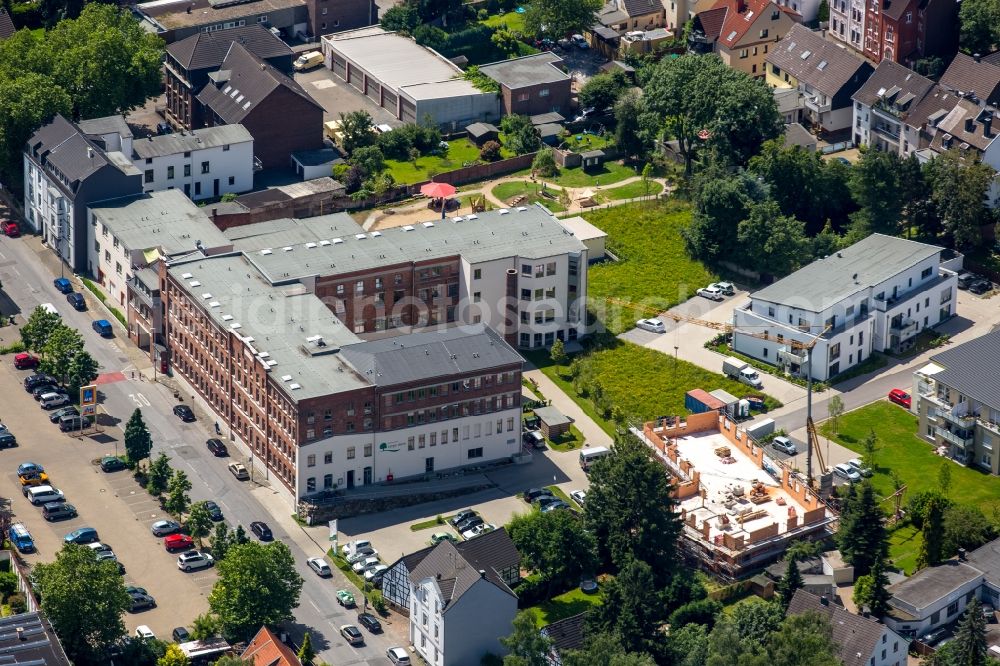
(592, 433)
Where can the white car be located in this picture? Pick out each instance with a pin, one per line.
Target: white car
(365, 564)
(357, 557)
(845, 471)
(194, 559)
(859, 467)
(398, 656)
(359, 546)
(712, 293)
(726, 288)
(477, 530)
(652, 325)
(145, 633)
(375, 572)
(319, 565)
(579, 496)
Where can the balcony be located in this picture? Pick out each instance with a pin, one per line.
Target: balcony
(905, 330)
(959, 418)
(886, 132)
(817, 103)
(962, 438)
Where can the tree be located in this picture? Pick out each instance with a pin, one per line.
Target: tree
(557, 18)
(505, 40)
(199, 522)
(357, 129)
(876, 187)
(204, 626)
(257, 585)
(605, 649)
(369, 159)
(177, 501)
(861, 538)
(630, 510)
(646, 176)
(773, 243)
(138, 441)
(869, 448)
(871, 590)
(703, 104)
(306, 652)
(979, 22)
(230, 660)
(240, 536)
(789, 583)
(632, 609)
(835, 408)
(932, 545)
(490, 152)
(543, 539)
(27, 102)
(173, 657)
(793, 177)
(755, 619)
(221, 540)
(544, 163)
(526, 645)
(400, 18)
(83, 369)
(630, 126)
(944, 477)
(699, 611)
(57, 356)
(726, 646)
(960, 186)
(970, 637)
(603, 91)
(804, 640)
(965, 527)
(40, 326)
(558, 353)
(519, 135)
(823, 14)
(721, 202)
(158, 476)
(84, 599)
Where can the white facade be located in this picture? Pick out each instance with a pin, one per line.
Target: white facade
(49, 211)
(883, 130)
(937, 612)
(847, 22)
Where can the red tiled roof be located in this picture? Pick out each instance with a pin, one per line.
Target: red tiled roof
(266, 650)
(740, 17)
(712, 20)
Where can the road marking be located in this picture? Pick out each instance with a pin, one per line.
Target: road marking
(139, 399)
(110, 378)
(323, 83)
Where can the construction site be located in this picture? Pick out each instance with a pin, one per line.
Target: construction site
(741, 507)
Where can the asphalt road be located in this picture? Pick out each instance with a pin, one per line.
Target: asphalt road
(29, 282)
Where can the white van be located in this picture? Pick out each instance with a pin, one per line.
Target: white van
(589, 455)
(308, 61)
(51, 309)
(42, 494)
(53, 400)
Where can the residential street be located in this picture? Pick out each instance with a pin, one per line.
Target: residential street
(26, 270)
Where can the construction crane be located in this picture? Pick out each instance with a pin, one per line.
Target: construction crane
(813, 443)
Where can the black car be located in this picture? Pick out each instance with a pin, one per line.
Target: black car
(111, 464)
(544, 500)
(42, 389)
(63, 411)
(31, 382)
(140, 600)
(7, 440)
(181, 635)
(262, 531)
(469, 523)
(464, 514)
(76, 300)
(534, 493)
(370, 622)
(213, 510)
(217, 447)
(980, 286)
(184, 412)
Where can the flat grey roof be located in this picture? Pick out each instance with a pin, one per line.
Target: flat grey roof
(165, 219)
(441, 89)
(552, 416)
(181, 142)
(527, 70)
(827, 281)
(933, 583)
(318, 157)
(336, 244)
(107, 125)
(963, 368)
(986, 558)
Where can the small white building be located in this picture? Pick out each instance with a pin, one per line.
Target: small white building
(933, 597)
(205, 163)
(457, 612)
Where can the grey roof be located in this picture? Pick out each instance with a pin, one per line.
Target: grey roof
(249, 83)
(442, 90)
(493, 549)
(547, 118)
(459, 350)
(963, 368)
(208, 49)
(481, 129)
(856, 637)
(453, 573)
(966, 75)
(108, 125)
(62, 145)
(825, 282)
(318, 157)
(797, 135)
(530, 70)
(531, 233)
(724, 396)
(549, 129)
(37, 646)
(954, 123)
(892, 83)
(180, 142)
(7, 28)
(640, 7)
(820, 63)
(167, 220)
(552, 416)
(186, 13)
(567, 633)
(933, 583)
(987, 559)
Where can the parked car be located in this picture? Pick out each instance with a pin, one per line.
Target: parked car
(580, 41)
(544, 500)
(374, 575)
(726, 288)
(181, 635)
(184, 412)
(63, 285)
(112, 464)
(859, 467)
(900, 397)
(10, 229)
(785, 445)
(555, 506)
(53, 400)
(364, 565)
(980, 287)
(29, 479)
(352, 634)
(77, 301)
(40, 495)
(320, 567)
(193, 560)
(477, 530)
(54, 511)
(30, 469)
(65, 411)
(469, 524)
(651, 325)
(42, 389)
(162, 528)
(144, 633)
(217, 447)
(934, 637)
(532, 494)
(239, 471)
(989, 613)
(25, 361)
(214, 510)
(533, 438)
(398, 656)
(175, 542)
(463, 515)
(7, 440)
(103, 328)
(345, 599)
(70, 423)
(262, 531)
(370, 622)
(845, 471)
(357, 546)
(966, 279)
(82, 535)
(31, 382)
(139, 599)
(711, 292)
(579, 496)
(438, 537)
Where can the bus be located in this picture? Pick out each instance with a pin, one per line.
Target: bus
(590, 454)
(21, 538)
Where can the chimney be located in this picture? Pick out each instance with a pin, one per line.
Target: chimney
(988, 125)
(188, 10)
(969, 126)
(824, 601)
(976, 57)
(961, 554)
(20, 634)
(482, 573)
(90, 153)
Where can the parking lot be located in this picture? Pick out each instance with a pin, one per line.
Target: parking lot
(336, 96)
(113, 504)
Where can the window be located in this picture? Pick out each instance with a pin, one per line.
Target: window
(763, 34)
(476, 297)
(510, 424)
(170, 173)
(368, 450)
(410, 444)
(232, 180)
(744, 53)
(544, 92)
(525, 294)
(350, 452)
(328, 458)
(835, 351)
(340, 290)
(770, 311)
(523, 97)
(311, 460)
(526, 270)
(197, 188)
(311, 484)
(187, 170)
(204, 167)
(359, 287)
(539, 294)
(477, 274)
(476, 452)
(148, 176)
(539, 270)
(525, 317)
(107, 256)
(924, 274)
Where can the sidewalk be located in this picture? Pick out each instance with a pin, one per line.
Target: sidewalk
(592, 433)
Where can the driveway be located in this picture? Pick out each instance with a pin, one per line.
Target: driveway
(336, 96)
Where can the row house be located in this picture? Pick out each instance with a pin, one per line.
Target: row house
(741, 32)
(902, 31)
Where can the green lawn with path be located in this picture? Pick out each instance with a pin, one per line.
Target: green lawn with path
(512, 20)
(427, 166)
(607, 173)
(631, 191)
(531, 191)
(904, 547)
(653, 268)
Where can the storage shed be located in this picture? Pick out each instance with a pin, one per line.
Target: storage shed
(480, 133)
(554, 423)
(699, 401)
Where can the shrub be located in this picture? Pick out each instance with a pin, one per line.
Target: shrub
(15, 347)
(490, 152)
(8, 584)
(702, 611)
(545, 163)
(95, 289)
(17, 604)
(482, 14)
(378, 602)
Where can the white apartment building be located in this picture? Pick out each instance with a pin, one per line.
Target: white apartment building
(457, 613)
(204, 163)
(875, 295)
(847, 22)
(888, 113)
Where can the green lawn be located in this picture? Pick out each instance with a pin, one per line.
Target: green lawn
(609, 172)
(541, 360)
(513, 21)
(427, 166)
(904, 547)
(565, 605)
(653, 271)
(582, 142)
(631, 191)
(910, 457)
(533, 191)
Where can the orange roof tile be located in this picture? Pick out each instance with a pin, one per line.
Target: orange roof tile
(266, 650)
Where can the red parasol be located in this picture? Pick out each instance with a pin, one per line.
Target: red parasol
(437, 190)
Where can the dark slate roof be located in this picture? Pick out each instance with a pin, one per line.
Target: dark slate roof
(39, 647)
(896, 8)
(547, 118)
(818, 62)
(797, 135)
(63, 146)
(933, 583)
(856, 637)
(954, 123)
(895, 85)
(964, 74)
(568, 633)
(987, 559)
(494, 550)
(208, 49)
(481, 129)
(247, 82)
(640, 7)
(107, 125)
(992, 58)
(424, 355)
(454, 573)
(963, 368)
(6, 24)
(544, 67)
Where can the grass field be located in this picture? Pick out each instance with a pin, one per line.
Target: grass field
(631, 191)
(607, 173)
(654, 270)
(507, 191)
(513, 21)
(541, 360)
(425, 167)
(562, 606)
(904, 547)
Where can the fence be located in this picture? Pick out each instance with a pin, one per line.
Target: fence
(478, 172)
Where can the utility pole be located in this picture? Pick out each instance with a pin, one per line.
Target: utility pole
(809, 416)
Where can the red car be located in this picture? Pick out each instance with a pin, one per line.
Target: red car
(11, 229)
(178, 542)
(24, 361)
(900, 397)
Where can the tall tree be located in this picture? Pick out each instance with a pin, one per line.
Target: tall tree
(221, 540)
(526, 646)
(960, 186)
(773, 243)
(970, 637)
(605, 649)
(306, 652)
(543, 539)
(173, 657)
(630, 136)
(792, 175)
(177, 501)
(158, 477)
(862, 538)
(966, 527)
(27, 102)
(400, 18)
(632, 609)
(789, 583)
(721, 202)
(61, 347)
(138, 441)
(755, 619)
(871, 590)
(630, 510)
(257, 585)
(40, 326)
(558, 18)
(944, 477)
(85, 601)
(204, 626)
(876, 187)
(520, 136)
(199, 522)
(932, 544)
(357, 130)
(727, 647)
(603, 90)
(83, 369)
(804, 640)
(979, 22)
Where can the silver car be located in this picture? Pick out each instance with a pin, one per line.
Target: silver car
(652, 325)
(845, 471)
(785, 445)
(712, 293)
